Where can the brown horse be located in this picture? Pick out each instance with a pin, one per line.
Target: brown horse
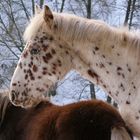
(86, 120)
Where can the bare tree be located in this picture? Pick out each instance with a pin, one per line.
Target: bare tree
(128, 12)
(33, 7)
(14, 15)
(41, 3)
(132, 13)
(62, 6)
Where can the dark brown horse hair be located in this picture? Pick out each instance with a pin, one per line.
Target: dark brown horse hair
(86, 120)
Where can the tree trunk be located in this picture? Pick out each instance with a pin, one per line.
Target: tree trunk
(62, 6)
(41, 3)
(33, 7)
(92, 91)
(88, 6)
(132, 13)
(128, 12)
(109, 99)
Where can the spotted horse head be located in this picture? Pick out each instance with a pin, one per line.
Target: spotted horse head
(43, 62)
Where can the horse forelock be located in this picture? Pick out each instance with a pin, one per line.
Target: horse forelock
(33, 26)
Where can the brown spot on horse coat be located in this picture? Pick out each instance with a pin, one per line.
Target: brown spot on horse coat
(123, 75)
(44, 72)
(110, 63)
(122, 87)
(32, 78)
(53, 72)
(25, 54)
(104, 86)
(102, 65)
(96, 48)
(129, 69)
(103, 56)
(35, 68)
(26, 77)
(93, 75)
(60, 46)
(67, 52)
(48, 56)
(20, 65)
(24, 70)
(107, 72)
(94, 52)
(45, 59)
(53, 51)
(137, 117)
(45, 47)
(128, 102)
(14, 84)
(119, 68)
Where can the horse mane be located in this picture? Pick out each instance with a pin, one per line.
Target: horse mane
(4, 102)
(74, 28)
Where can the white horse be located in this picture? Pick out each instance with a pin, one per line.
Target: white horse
(58, 43)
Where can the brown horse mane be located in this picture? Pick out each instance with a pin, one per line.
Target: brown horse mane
(4, 103)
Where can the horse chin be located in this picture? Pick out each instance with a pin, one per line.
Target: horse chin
(28, 102)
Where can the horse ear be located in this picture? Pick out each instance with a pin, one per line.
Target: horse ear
(37, 9)
(48, 16)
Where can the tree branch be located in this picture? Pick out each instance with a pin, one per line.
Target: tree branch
(25, 10)
(62, 6)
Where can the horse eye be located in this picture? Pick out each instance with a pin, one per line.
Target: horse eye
(34, 51)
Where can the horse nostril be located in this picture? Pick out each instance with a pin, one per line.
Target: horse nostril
(13, 95)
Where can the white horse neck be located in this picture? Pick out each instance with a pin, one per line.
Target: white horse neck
(106, 55)
(113, 63)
